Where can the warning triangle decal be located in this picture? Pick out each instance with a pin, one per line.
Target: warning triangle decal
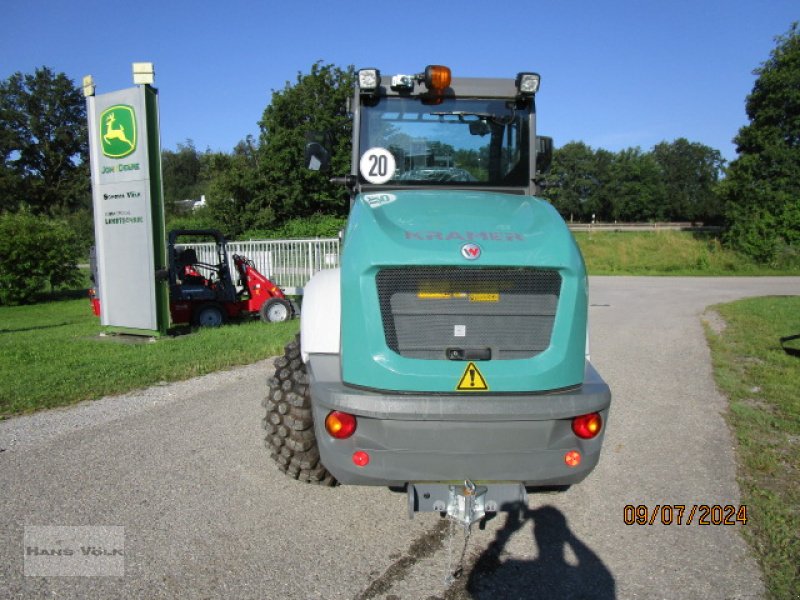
(472, 380)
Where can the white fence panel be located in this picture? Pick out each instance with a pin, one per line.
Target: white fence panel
(288, 263)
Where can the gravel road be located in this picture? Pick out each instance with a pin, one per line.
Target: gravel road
(182, 469)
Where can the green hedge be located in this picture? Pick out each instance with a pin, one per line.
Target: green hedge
(36, 252)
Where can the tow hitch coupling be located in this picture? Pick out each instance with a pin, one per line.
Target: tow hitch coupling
(467, 503)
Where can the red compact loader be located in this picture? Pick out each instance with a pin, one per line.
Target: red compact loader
(205, 294)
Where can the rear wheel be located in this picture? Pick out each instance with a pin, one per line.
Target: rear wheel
(289, 422)
(209, 315)
(275, 310)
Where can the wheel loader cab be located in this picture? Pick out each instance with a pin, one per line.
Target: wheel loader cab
(432, 130)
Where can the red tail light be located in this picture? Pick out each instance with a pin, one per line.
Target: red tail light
(587, 426)
(340, 425)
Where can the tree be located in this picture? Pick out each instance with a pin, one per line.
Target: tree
(183, 174)
(573, 181)
(675, 180)
(315, 104)
(635, 187)
(762, 187)
(265, 182)
(237, 198)
(602, 200)
(690, 173)
(43, 143)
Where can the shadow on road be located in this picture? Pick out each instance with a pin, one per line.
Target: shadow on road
(555, 573)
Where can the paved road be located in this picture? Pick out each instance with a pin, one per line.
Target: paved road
(182, 469)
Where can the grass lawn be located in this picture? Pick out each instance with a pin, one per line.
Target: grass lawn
(763, 385)
(667, 253)
(51, 355)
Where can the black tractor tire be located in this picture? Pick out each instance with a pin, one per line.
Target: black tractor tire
(209, 315)
(276, 310)
(289, 423)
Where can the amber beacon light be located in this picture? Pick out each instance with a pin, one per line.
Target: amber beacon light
(437, 77)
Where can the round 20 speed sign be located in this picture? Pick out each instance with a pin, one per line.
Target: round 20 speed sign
(377, 165)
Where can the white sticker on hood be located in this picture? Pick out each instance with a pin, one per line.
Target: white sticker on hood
(377, 165)
(378, 200)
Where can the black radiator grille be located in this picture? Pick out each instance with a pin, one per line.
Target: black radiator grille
(507, 313)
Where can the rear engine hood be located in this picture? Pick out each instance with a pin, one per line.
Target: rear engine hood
(430, 227)
(466, 230)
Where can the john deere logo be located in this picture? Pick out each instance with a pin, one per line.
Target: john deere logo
(118, 131)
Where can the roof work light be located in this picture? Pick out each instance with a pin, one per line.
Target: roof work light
(528, 83)
(369, 80)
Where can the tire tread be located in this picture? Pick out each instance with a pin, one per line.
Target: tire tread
(289, 421)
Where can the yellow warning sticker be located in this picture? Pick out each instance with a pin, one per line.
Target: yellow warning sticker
(472, 380)
(484, 297)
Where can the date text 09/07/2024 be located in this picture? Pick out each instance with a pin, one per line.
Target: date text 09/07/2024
(683, 514)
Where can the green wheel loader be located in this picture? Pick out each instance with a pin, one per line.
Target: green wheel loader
(448, 355)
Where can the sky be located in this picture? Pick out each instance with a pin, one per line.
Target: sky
(615, 74)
